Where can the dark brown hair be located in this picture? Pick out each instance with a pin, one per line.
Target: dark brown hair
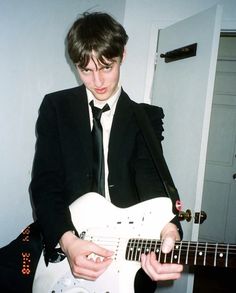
(95, 32)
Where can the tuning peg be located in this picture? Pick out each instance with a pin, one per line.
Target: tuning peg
(185, 215)
(199, 218)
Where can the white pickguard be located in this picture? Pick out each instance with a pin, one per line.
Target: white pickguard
(110, 227)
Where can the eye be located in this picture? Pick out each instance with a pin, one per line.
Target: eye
(107, 68)
(84, 70)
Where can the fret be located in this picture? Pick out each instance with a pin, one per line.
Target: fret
(155, 247)
(172, 255)
(186, 259)
(196, 251)
(141, 248)
(180, 247)
(227, 254)
(165, 256)
(145, 247)
(137, 249)
(152, 245)
(149, 245)
(133, 250)
(221, 255)
(158, 249)
(159, 255)
(205, 253)
(231, 256)
(175, 253)
(201, 253)
(129, 252)
(215, 254)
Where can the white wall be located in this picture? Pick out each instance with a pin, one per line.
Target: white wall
(32, 34)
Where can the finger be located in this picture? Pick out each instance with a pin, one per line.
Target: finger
(166, 277)
(167, 244)
(145, 262)
(166, 268)
(87, 274)
(89, 269)
(98, 260)
(92, 263)
(159, 272)
(170, 230)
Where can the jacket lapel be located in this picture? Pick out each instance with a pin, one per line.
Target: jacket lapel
(120, 125)
(80, 113)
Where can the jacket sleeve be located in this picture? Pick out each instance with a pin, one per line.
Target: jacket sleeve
(148, 180)
(47, 185)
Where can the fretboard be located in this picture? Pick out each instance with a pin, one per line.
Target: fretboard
(185, 252)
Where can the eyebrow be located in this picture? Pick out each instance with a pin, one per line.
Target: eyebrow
(101, 65)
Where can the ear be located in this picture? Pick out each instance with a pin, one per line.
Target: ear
(124, 56)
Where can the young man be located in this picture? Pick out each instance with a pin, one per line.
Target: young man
(63, 168)
(64, 160)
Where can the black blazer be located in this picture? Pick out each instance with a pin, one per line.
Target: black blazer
(63, 159)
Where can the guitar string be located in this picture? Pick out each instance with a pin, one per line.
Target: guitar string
(211, 247)
(133, 248)
(192, 243)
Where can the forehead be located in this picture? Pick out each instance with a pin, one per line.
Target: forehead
(95, 63)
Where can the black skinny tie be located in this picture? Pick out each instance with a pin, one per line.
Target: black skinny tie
(98, 155)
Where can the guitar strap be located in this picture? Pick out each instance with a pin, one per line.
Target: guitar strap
(157, 155)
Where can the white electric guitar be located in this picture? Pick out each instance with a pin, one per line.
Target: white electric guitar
(128, 232)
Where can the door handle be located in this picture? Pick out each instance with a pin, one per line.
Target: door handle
(199, 217)
(234, 176)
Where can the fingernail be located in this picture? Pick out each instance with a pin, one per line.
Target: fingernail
(167, 245)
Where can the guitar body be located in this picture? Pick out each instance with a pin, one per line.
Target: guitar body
(110, 227)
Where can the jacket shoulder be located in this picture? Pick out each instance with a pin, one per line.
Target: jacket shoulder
(64, 97)
(66, 92)
(153, 110)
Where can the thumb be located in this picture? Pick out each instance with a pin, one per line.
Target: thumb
(168, 244)
(102, 251)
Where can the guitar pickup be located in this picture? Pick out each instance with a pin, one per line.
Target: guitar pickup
(120, 222)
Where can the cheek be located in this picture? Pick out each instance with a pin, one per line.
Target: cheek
(86, 81)
(115, 77)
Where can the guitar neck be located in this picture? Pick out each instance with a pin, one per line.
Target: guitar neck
(185, 252)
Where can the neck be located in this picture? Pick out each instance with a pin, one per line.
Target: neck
(185, 252)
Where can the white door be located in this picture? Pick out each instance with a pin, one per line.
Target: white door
(219, 193)
(184, 89)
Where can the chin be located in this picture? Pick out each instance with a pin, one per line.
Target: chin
(102, 98)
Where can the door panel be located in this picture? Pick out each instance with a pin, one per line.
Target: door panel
(184, 89)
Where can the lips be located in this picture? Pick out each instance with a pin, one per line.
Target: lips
(100, 90)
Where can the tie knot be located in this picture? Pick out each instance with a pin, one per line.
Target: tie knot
(97, 112)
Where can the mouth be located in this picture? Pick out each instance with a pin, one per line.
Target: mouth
(100, 90)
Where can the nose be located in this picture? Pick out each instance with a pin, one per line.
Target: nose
(97, 77)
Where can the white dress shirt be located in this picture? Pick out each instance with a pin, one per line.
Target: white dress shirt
(106, 122)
